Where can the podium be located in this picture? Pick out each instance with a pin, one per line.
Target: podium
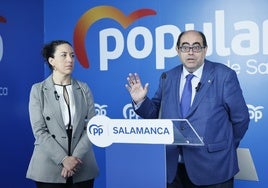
(135, 149)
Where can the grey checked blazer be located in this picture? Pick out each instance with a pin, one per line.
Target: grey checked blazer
(51, 142)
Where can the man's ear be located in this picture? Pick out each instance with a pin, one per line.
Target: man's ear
(177, 49)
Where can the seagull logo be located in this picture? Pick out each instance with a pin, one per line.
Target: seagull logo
(98, 13)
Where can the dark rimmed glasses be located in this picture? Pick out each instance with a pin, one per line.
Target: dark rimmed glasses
(195, 49)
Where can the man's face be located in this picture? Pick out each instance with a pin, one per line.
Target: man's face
(194, 57)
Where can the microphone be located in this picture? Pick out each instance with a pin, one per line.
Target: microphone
(163, 77)
(198, 87)
(56, 95)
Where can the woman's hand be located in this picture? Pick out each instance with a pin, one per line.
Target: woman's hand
(66, 173)
(71, 165)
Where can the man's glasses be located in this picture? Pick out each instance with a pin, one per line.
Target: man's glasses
(196, 48)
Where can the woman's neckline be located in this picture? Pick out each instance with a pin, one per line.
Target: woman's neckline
(62, 84)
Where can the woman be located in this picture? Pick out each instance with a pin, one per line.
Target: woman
(59, 108)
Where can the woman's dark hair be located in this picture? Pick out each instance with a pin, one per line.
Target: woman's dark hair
(200, 33)
(50, 48)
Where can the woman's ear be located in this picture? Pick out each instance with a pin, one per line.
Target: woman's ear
(51, 61)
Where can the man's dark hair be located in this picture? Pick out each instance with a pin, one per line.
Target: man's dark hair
(200, 33)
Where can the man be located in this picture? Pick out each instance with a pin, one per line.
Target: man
(217, 112)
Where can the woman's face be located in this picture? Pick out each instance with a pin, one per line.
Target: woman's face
(63, 61)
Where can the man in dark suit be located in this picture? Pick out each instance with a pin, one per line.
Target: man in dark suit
(217, 112)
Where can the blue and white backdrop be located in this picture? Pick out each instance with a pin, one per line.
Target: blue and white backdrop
(112, 38)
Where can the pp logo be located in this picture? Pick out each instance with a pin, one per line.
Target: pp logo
(1, 48)
(101, 109)
(129, 113)
(98, 130)
(95, 129)
(2, 20)
(255, 112)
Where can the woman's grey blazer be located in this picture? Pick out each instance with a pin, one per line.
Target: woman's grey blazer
(51, 141)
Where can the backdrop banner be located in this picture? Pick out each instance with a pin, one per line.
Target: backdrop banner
(21, 39)
(111, 39)
(114, 38)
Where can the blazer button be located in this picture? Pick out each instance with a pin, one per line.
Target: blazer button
(48, 118)
(53, 136)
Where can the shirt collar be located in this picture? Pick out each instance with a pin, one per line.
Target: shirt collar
(197, 73)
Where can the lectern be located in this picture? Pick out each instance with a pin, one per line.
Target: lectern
(135, 157)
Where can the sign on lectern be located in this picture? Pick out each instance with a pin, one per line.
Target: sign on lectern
(103, 131)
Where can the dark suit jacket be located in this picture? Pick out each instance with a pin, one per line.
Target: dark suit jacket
(219, 115)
